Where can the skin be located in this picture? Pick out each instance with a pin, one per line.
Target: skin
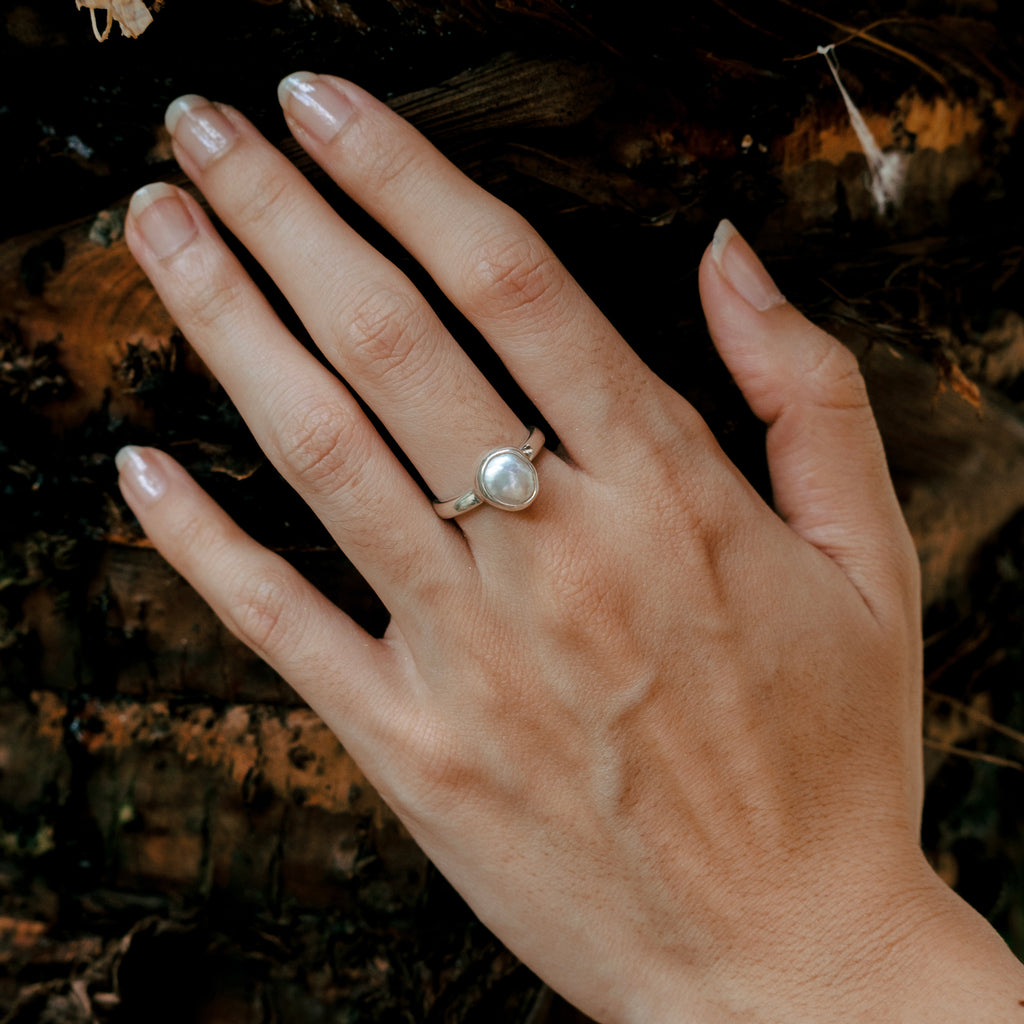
(663, 738)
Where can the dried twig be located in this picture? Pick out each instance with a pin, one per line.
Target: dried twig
(869, 37)
(973, 755)
(977, 716)
(850, 37)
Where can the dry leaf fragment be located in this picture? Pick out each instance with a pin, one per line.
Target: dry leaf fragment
(132, 15)
(965, 387)
(953, 377)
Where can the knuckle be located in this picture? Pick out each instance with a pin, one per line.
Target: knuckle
(438, 775)
(419, 579)
(582, 592)
(835, 379)
(576, 583)
(266, 199)
(319, 447)
(263, 612)
(385, 166)
(512, 273)
(199, 535)
(385, 333)
(215, 298)
(443, 771)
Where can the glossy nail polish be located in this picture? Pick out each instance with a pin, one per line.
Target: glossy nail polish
(199, 128)
(315, 103)
(141, 473)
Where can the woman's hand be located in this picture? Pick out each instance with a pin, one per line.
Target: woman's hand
(664, 739)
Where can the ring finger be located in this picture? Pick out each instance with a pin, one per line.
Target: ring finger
(362, 311)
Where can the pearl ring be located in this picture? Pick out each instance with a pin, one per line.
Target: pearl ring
(506, 478)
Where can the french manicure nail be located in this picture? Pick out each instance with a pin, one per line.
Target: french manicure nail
(143, 475)
(199, 128)
(743, 270)
(162, 218)
(316, 103)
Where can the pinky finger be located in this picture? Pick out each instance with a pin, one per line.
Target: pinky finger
(332, 663)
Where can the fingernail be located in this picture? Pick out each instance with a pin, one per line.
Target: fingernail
(743, 270)
(199, 128)
(162, 218)
(316, 103)
(139, 469)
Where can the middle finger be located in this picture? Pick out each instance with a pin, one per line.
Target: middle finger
(362, 311)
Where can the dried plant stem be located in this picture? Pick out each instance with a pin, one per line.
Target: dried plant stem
(869, 37)
(978, 716)
(972, 755)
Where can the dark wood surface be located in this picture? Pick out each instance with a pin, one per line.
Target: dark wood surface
(180, 838)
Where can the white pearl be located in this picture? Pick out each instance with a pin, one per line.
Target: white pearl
(508, 479)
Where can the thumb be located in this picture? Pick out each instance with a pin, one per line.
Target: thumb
(828, 470)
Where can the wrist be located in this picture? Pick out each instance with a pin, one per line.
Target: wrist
(922, 955)
(962, 969)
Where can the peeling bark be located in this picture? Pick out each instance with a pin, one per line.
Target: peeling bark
(132, 16)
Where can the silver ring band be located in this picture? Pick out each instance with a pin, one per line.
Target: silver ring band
(506, 478)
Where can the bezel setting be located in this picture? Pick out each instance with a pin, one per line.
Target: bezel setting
(501, 497)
